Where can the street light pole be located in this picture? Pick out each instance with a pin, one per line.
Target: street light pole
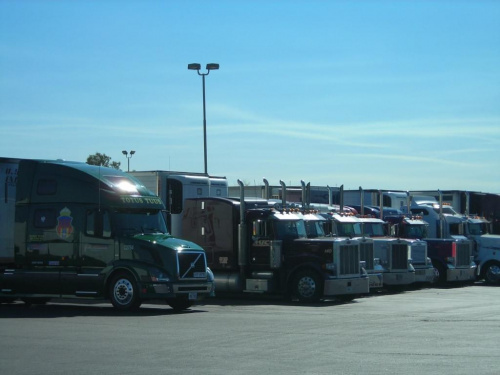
(209, 67)
(128, 158)
(204, 121)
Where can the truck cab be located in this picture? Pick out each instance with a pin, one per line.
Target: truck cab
(347, 225)
(448, 247)
(394, 253)
(414, 229)
(82, 231)
(255, 248)
(486, 248)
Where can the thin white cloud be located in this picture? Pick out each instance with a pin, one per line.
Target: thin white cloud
(362, 134)
(462, 163)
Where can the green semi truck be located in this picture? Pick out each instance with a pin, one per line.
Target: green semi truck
(73, 230)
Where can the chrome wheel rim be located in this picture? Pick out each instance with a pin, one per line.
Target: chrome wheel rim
(123, 291)
(493, 273)
(306, 287)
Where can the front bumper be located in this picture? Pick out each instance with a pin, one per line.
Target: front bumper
(376, 280)
(337, 287)
(193, 291)
(399, 278)
(461, 274)
(425, 274)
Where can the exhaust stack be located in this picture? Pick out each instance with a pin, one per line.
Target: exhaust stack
(283, 194)
(266, 189)
(242, 230)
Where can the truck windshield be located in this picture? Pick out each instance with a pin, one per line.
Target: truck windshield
(314, 228)
(477, 229)
(448, 210)
(130, 223)
(348, 229)
(415, 231)
(374, 229)
(290, 229)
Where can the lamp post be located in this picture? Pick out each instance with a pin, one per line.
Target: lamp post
(209, 67)
(128, 158)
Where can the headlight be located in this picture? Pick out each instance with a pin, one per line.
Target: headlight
(472, 262)
(158, 275)
(330, 266)
(211, 279)
(210, 275)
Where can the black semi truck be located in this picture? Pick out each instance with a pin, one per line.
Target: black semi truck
(253, 247)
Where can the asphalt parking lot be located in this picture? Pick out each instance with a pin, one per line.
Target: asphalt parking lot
(425, 331)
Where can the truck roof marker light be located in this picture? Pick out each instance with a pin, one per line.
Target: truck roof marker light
(126, 186)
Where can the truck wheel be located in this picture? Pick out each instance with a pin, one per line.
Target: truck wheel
(440, 271)
(179, 304)
(123, 292)
(491, 273)
(307, 286)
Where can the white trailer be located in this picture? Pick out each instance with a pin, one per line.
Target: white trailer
(175, 187)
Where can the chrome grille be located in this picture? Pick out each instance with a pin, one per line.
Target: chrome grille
(349, 259)
(366, 254)
(419, 253)
(399, 255)
(191, 265)
(463, 254)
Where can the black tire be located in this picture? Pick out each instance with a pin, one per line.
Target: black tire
(179, 304)
(307, 286)
(440, 270)
(123, 292)
(491, 273)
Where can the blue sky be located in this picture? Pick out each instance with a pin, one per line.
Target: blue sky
(379, 94)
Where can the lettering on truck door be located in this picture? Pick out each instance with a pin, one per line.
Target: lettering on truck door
(260, 247)
(97, 251)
